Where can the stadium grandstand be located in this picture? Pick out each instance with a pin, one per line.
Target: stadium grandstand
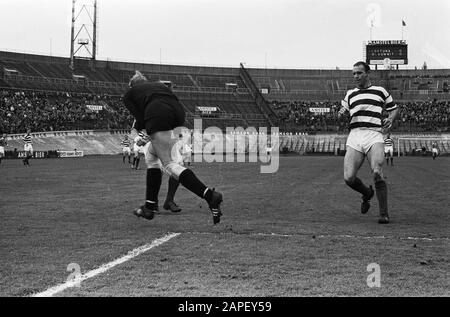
(45, 93)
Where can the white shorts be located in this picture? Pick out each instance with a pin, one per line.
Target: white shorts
(153, 161)
(434, 150)
(362, 140)
(28, 148)
(138, 149)
(389, 149)
(126, 150)
(187, 158)
(2, 151)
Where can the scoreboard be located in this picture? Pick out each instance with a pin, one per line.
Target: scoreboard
(387, 52)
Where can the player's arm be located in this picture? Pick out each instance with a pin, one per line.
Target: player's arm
(139, 117)
(344, 105)
(392, 110)
(143, 140)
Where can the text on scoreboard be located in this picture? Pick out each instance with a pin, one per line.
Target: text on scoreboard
(396, 52)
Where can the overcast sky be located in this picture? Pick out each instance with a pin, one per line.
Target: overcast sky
(276, 33)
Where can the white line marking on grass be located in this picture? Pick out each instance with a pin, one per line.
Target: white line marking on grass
(322, 236)
(105, 267)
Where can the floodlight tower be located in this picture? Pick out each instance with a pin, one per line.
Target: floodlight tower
(83, 30)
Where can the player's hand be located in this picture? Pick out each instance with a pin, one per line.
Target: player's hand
(142, 142)
(342, 111)
(387, 123)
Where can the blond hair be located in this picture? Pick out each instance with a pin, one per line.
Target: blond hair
(137, 78)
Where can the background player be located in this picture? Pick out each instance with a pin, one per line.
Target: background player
(138, 149)
(126, 149)
(365, 104)
(389, 149)
(434, 150)
(159, 111)
(3, 144)
(28, 148)
(186, 151)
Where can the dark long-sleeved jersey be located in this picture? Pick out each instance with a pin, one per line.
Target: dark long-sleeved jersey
(141, 95)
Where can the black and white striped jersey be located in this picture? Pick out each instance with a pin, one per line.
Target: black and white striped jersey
(27, 139)
(388, 142)
(366, 106)
(126, 143)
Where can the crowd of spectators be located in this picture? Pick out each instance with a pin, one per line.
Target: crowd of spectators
(418, 116)
(58, 111)
(296, 115)
(61, 111)
(425, 116)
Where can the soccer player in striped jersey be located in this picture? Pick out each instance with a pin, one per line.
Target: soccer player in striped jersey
(126, 149)
(28, 148)
(3, 144)
(389, 149)
(138, 149)
(365, 104)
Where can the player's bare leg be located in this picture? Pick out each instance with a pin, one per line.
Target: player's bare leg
(376, 159)
(163, 144)
(26, 160)
(352, 163)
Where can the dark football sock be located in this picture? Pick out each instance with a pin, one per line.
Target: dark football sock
(137, 163)
(392, 161)
(173, 186)
(359, 186)
(134, 160)
(154, 178)
(123, 159)
(381, 189)
(188, 179)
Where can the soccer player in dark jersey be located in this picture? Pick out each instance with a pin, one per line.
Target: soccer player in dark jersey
(389, 149)
(3, 144)
(365, 104)
(126, 149)
(157, 110)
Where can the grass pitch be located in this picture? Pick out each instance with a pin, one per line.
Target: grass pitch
(297, 232)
